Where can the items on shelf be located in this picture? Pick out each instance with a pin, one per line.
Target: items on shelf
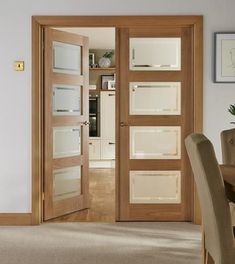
(101, 78)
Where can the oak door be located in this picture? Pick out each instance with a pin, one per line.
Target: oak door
(156, 115)
(66, 126)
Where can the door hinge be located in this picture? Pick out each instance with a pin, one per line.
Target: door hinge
(43, 196)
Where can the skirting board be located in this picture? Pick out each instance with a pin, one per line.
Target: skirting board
(15, 219)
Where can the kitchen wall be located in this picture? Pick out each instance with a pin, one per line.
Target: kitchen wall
(15, 87)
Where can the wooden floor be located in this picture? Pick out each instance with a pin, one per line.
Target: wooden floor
(102, 199)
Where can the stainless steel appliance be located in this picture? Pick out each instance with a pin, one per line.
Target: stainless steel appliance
(94, 115)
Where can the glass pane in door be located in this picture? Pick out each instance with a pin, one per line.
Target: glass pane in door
(66, 58)
(155, 142)
(155, 54)
(155, 98)
(66, 100)
(155, 187)
(67, 183)
(66, 141)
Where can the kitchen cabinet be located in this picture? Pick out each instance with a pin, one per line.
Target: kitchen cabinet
(107, 122)
(94, 149)
(107, 149)
(107, 115)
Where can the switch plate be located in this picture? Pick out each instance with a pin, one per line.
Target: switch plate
(19, 65)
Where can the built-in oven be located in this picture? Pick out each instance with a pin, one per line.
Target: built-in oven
(94, 115)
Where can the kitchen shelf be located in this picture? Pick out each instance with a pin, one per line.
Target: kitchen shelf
(102, 69)
(97, 90)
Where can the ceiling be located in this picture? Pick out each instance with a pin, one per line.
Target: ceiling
(99, 38)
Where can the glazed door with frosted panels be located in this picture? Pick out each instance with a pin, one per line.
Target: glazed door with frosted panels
(156, 95)
(66, 126)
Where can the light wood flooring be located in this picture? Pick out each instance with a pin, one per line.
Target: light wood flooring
(102, 199)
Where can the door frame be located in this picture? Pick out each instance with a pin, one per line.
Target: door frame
(39, 22)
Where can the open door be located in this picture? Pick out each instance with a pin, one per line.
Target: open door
(66, 126)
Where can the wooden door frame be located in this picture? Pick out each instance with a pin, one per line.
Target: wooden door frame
(39, 22)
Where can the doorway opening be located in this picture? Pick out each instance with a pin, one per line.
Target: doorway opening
(101, 120)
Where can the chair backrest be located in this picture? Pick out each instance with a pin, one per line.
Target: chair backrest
(228, 146)
(214, 205)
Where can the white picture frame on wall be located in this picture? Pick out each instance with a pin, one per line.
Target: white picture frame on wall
(111, 85)
(224, 57)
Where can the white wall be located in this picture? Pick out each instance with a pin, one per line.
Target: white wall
(15, 87)
(99, 38)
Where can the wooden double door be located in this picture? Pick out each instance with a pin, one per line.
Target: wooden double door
(155, 111)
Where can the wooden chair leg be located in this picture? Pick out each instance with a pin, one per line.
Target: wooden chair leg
(209, 259)
(206, 257)
(203, 248)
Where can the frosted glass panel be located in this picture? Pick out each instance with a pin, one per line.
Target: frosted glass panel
(66, 100)
(67, 183)
(155, 142)
(155, 54)
(66, 58)
(155, 98)
(158, 187)
(66, 141)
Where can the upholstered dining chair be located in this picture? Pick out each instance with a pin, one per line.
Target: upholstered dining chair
(228, 156)
(219, 240)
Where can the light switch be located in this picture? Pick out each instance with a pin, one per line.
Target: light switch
(19, 65)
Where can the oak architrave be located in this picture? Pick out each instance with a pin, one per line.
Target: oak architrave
(39, 22)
